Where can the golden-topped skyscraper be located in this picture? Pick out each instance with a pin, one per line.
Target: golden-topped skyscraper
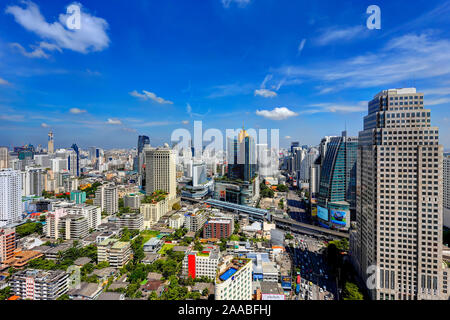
(241, 156)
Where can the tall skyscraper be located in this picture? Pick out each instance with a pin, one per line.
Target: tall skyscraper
(306, 163)
(142, 142)
(74, 161)
(4, 158)
(337, 186)
(10, 196)
(294, 145)
(447, 190)
(160, 171)
(51, 146)
(399, 199)
(241, 155)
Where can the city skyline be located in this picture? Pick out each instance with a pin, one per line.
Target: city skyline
(310, 70)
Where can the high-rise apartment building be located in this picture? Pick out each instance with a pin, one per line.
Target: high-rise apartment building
(10, 196)
(399, 199)
(35, 180)
(4, 158)
(160, 171)
(73, 226)
(78, 196)
(107, 198)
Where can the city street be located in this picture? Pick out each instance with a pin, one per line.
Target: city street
(297, 209)
(307, 257)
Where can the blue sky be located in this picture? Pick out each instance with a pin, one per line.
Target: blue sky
(148, 67)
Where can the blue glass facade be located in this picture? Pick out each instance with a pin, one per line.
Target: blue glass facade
(338, 172)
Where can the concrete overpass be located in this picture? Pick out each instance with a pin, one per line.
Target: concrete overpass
(296, 226)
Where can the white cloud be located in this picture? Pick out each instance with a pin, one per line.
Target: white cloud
(185, 122)
(44, 125)
(265, 93)
(233, 89)
(13, 118)
(336, 34)
(435, 102)
(37, 51)
(301, 46)
(138, 95)
(336, 108)
(149, 95)
(288, 137)
(3, 82)
(129, 130)
(77, 111)
(277, 113)
(114, 121)
(402, 59)
(90, 37)
(239, 3)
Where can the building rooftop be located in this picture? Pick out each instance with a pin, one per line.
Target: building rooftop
(231, 268)
(110, 296)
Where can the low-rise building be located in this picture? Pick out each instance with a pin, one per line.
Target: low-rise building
(201, 264)
(153, 245)
(195, 220)
(218, 228)
(7, 243)
(115, 252)
(86, 291)
(39, 284)
(133, 200)
(73, 227)
(153, 212)
(176, 221)
(21, 258)
(132, 221)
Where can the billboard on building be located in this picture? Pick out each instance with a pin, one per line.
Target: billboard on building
(322, 213)
(339, 218)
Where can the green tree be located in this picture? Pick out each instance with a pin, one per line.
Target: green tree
(351, 292)
(205, 292)
(282, 188)
(5, 293)
(153, 296)
(267, 193)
